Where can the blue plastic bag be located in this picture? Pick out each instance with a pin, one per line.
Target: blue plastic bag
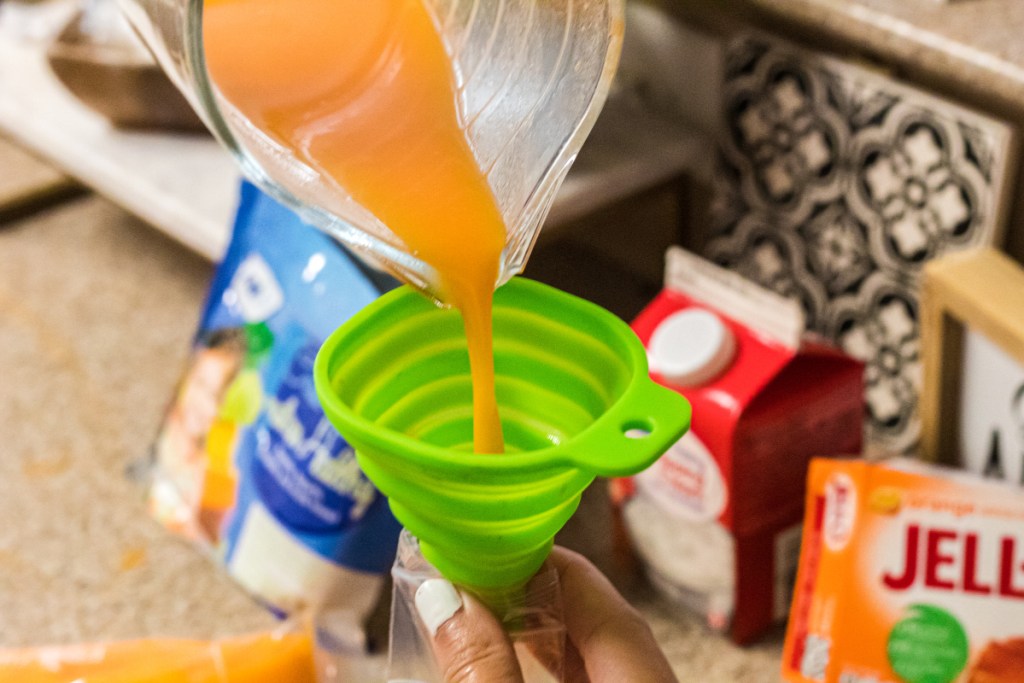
(246, 462)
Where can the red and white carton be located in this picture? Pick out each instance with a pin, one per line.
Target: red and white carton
(716, 520)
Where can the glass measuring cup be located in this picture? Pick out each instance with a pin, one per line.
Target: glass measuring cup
(531, 78)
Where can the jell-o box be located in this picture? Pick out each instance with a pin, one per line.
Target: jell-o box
(909, 573)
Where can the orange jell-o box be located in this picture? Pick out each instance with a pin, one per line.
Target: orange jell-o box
(908, 574)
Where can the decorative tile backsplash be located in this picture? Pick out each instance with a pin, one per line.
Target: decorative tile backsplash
(835, 185)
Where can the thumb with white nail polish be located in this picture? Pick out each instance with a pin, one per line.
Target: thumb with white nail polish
(437, 601)
(470, 646)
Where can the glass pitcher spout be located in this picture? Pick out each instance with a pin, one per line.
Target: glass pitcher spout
(529, 79)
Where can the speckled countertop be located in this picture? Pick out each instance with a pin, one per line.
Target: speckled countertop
(96, 315)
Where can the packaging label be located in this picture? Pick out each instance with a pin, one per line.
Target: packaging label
(924, 585)
(305, 472)
(255, 290)
(686, 481)
(840, 511)
(928, 644)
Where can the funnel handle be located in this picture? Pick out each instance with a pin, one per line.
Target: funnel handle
(644, 423)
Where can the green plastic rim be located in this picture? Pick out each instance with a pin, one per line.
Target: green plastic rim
(575, 401)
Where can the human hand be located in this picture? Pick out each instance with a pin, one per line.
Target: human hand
(608, 640)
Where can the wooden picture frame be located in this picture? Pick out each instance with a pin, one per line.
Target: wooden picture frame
(980, 290)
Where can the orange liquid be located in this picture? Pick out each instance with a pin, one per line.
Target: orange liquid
(363, 91)
(253, 659)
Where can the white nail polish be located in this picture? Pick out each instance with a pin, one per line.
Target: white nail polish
(437, 601)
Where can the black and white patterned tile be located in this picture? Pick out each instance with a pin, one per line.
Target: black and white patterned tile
(878, 323)
(835, 186)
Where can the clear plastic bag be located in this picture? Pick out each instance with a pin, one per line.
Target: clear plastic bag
(532, 618)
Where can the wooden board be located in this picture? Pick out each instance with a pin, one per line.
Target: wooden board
(982, 290)
(184, 185)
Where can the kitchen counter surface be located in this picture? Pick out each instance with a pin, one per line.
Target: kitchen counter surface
(96, 315)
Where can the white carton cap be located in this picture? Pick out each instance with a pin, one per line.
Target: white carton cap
(691, 347)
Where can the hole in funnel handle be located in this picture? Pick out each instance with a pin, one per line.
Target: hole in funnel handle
(637, 429)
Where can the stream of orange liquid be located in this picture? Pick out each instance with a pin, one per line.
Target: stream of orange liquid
(364, 92)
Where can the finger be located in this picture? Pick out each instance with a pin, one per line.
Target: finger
(613, 640)
(470, 645)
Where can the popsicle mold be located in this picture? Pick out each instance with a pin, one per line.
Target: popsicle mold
(575, 399)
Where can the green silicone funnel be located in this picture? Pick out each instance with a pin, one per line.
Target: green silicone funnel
(575, 402)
